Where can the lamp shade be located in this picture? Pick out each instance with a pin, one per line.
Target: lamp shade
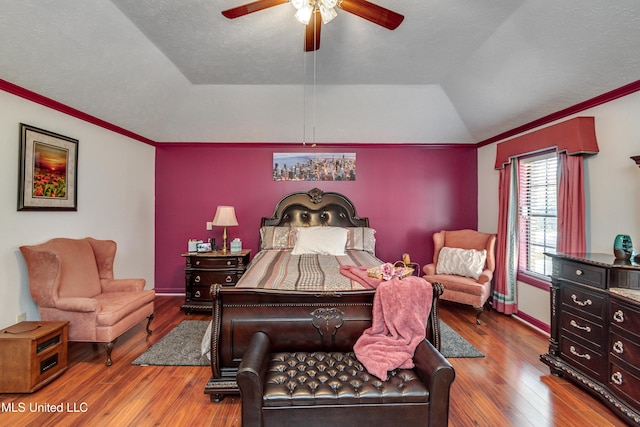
(225, 216)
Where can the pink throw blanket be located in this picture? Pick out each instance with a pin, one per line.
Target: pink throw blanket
(360, 275)
(399, 320)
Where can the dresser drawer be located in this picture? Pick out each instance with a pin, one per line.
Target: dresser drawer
(625, 317)
(626, 279)
(624, 383)
(583, 273)
(587, 303)
(625, 349)
(583, 328)
(208, 278)
(583, 358)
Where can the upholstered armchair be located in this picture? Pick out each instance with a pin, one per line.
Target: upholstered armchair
(463, 262)
(72, 279)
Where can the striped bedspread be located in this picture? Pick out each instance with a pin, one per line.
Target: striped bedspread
(278, 269)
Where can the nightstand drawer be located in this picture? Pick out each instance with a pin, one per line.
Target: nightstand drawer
(200, 293)
(580, 300)
(215, 263)
(208, 278)
(583, 273)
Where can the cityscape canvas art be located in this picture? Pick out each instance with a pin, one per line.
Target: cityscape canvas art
(314, 166)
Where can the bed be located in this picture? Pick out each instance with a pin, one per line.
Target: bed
(300, 300)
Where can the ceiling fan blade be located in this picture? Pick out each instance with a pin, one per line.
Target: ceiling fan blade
(248, 8)
(372, 12)
(312, 32)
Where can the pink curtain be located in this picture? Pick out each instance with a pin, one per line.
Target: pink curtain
(575, 136)
(504, 285)
(571, 216)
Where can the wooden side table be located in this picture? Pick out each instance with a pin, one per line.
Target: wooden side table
(32, 354)
(206, 268)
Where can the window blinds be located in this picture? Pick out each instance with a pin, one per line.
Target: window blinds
(538, 212)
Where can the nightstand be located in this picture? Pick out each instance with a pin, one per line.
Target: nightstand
(32, 354)
(206, 268)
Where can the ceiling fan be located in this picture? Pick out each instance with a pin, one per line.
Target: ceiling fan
(314, 13)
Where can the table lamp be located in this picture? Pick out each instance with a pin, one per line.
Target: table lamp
(225, 217)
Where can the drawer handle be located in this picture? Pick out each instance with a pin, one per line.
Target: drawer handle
(197, 279)
(229, 262)
(584, 328)
(197, 294)
(573, 351)
(616, 378)
(574, 297)
(229, 279)
(579, 272)
(618, 347)
(197, 262)
(618, 316)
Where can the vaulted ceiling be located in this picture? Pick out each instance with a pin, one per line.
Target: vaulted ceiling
(455, 71)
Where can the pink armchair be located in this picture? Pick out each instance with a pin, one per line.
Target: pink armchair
(72, 279)
(458, 287)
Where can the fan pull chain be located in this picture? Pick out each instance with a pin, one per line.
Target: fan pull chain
(304, 102)
(315, 52)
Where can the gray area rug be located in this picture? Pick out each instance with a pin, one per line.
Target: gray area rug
(181, 346)
(453, 345)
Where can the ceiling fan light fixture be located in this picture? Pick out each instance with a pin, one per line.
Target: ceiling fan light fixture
(327, 13)
(305, 9)
(304, 14)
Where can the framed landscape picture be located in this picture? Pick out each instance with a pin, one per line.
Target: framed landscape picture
(48, 177)
(314, 166)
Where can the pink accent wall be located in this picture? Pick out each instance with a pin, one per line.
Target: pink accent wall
(408, 193)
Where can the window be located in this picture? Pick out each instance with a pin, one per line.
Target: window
(537, 213)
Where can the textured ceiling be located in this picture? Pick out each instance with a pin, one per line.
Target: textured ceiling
(453, 71)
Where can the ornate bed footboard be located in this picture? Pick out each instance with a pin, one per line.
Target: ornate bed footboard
(304, 320)
(294, 319)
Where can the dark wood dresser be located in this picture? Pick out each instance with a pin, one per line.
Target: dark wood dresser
(595, 328)
(204, 269)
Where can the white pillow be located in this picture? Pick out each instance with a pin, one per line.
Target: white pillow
(320, 240)
(461, 262)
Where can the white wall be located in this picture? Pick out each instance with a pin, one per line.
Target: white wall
(116, 178)
(612, 182)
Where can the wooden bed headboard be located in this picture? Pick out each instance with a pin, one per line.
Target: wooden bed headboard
(315, 208)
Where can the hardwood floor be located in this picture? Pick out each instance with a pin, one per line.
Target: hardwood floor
(508, 387)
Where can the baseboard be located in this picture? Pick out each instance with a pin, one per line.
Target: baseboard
(533, 322)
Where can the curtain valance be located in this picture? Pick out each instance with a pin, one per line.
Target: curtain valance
(574, 136)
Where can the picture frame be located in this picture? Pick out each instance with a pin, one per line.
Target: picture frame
(314, 166)
(48, 172)
(203, 247)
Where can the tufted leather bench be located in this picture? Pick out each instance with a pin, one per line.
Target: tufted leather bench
(334, 388)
